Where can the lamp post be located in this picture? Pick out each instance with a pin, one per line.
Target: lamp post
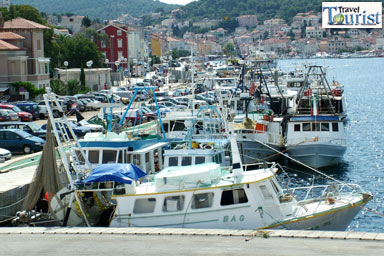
(117, 63)
(66, 63)
(112, 53)
(89, 65)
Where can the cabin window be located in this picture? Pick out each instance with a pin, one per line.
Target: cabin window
(266, 194)
(335, 127)
(173, 204)
(136, 160)
(109, 156)
(297, 127)
(147, 157)
(178, 126)
(186, 160)
(200, 160)
(325, 127)
(146, 205)
(93, 156)
(204, 200)
(316, 127)
(306, 127)
(165, 126)
(173, 161)
(236, 196)
(217, 159)
(120, 160)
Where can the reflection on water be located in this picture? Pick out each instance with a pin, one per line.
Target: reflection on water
(363, 162)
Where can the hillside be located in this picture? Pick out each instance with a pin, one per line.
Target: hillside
(266, 9)
(102, 9)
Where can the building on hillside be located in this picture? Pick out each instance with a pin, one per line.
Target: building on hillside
(73, 23)
(274, 21)
(336, 44)
(137, 48)
(174, 43)
(96, 78)
(127, 19)
(276, 45)
(206, 23)
(115, 47)
(176, 12)
(247, 21)
(157, 45)
(5, 3)
(22, 53)
(168, 22)
(124, 44)
(240, 30)
(155, 15)
(306, 48)
(314, 32)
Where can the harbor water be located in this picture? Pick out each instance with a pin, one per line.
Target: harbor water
(363, 161)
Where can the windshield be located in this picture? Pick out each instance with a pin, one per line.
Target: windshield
(16, 109)
(34, 127)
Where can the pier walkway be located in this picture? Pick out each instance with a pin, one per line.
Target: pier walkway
(159, 241)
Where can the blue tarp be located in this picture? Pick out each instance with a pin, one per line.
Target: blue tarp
(123, 173)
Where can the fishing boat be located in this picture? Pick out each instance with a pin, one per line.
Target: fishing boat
(208, 196)
(315, 134)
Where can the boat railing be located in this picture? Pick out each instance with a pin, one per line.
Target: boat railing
(272, 138)
(321, 192)
(317, 139)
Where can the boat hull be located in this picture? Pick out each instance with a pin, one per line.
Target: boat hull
(253, 151)
(317, 155)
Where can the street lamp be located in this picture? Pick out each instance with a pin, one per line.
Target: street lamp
(112, 36)
(89, 65)
(66, 63)
(117, 63)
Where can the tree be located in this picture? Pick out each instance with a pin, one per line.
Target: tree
(78, 50)
(24, 11)
(229, 49)
(86, 22)
(30, 88)
(58, 87)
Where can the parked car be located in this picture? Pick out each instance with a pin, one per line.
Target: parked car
(16, 140)
(24, 116)
(43, 112)
(4, 115)
(85, 123)
(30, 107)
(79, 131)
(12, 114)
(5, 154)
(30, 128)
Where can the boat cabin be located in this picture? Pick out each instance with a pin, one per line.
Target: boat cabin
(315, 129)
(146, 154)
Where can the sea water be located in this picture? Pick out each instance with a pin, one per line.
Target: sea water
(363, 163)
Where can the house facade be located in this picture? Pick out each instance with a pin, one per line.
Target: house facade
(22, 53)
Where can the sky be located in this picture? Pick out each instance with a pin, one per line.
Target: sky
(182, 2)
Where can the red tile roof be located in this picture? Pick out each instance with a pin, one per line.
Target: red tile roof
(10, 36)
(20, 23)
(7, 46)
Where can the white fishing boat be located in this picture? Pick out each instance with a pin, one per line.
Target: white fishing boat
(208, 196)
(315, 134)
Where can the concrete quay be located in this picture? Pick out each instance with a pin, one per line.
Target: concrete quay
(15, 176)
(160, 241)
